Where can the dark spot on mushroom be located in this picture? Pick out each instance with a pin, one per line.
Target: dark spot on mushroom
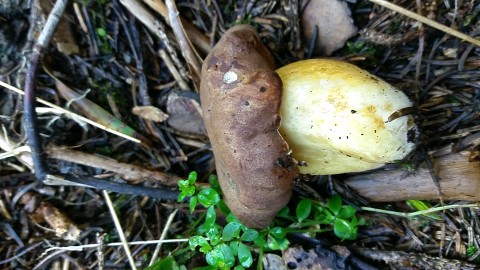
(286, 161)
(375, 131)
(247, 103)
(361, 134)
(339, 138)
(263, 89)
(234, 151)
(292, 265)
(375, 79)
(353, 111)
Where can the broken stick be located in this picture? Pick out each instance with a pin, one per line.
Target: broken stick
(459, 180)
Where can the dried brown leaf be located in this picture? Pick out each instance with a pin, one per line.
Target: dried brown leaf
(150, 113)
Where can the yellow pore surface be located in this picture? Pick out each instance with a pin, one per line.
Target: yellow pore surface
(334, 117)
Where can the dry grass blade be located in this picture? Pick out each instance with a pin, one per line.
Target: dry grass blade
(97, 113)
(197, 37)
(426, 21)
(158, 29)
(116, 244)
(73, 115)
(185, 45)
(118, 226)
(174, 71)
(162, 237)
(7, 145)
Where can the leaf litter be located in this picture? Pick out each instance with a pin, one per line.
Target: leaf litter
(127, 62)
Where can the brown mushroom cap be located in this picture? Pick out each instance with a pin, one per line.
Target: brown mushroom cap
(241, 95)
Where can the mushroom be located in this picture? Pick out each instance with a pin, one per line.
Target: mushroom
(337, 118)
(334, 116)
(240, 96)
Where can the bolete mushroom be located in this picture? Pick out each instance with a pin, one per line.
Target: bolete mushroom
(333, 115)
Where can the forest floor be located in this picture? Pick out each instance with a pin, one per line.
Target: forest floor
(125, 66)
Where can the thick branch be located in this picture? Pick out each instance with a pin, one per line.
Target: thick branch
(30, 116)
(459, 180)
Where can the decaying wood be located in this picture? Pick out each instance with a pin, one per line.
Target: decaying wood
(130, 172)
(459, 180)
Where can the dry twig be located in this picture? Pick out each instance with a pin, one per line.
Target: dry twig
(30, 115)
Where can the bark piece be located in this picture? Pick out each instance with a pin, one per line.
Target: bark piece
(459, 180)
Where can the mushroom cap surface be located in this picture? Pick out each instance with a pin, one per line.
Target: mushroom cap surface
(240, 97)
(335, 117)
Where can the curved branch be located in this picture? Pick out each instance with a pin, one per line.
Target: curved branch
(30, 115)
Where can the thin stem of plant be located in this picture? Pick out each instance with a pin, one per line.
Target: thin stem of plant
(423, 212)
(118, 226)
(117, 244)
(164, 234)
(427, 21)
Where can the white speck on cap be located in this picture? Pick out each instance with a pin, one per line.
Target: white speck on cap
(229, 77)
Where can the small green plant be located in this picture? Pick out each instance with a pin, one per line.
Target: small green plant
(361, 47)
(166, 263)
(342, 217)
(471, 250)
(231, 245)
(224, 247)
